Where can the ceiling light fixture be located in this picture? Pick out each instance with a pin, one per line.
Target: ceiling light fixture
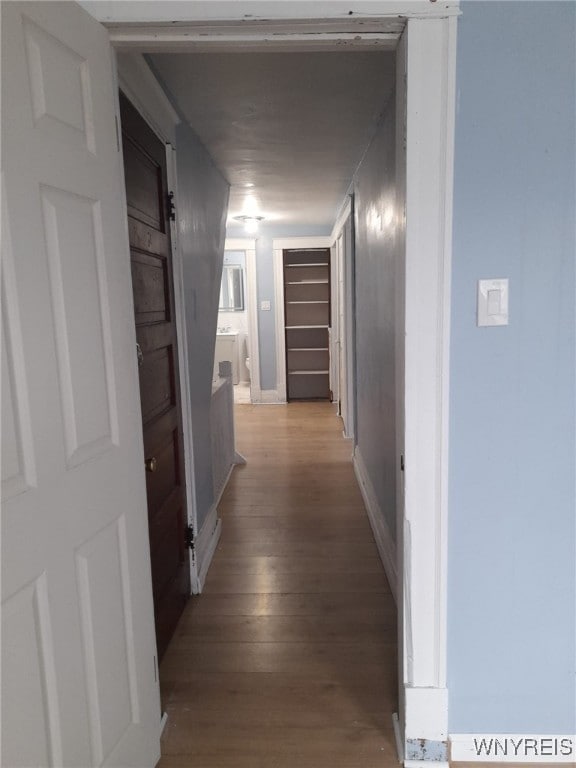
(250, 223)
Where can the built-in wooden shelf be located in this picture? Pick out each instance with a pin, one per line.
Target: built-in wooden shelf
(312, 264)
(307, 323)
(307, 373)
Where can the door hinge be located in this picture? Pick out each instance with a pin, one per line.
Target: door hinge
(171, 207)
(190, 537)
(401, 462)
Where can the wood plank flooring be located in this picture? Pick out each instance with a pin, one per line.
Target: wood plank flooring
(288, 659)
(289, 656)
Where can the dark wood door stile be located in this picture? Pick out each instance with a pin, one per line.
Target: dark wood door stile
(148, 206)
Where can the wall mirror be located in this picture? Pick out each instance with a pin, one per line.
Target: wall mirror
(232, 289)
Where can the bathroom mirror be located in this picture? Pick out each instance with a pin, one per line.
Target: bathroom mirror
(232, 289)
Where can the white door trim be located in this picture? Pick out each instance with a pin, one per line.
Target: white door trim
(345, 305)
(334, 332)
(142, 88)
(184, 368)
(343, 217)
(249, 247)
(348, 243)
(431, 94)
(280, 35)
(278, 245)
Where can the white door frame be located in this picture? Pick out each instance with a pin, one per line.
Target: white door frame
(334, 334)
(431, 68)
(345, 303)
(278, 246)
(431, 96)
(350, 324)
(249, 248)
(145, 94)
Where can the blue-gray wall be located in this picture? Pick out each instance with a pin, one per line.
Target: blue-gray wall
(202, 208)
(512, 577)
(237, 258)
(265, 288)
(376, 253)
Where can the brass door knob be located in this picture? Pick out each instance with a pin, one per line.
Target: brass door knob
(151, 464)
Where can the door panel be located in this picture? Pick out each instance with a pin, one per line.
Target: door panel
(78, 650)
(151, 261)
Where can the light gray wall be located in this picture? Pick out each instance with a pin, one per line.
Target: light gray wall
(265, 289)
(376, 253)
(202, 208)
(235, 257)
(512, 577)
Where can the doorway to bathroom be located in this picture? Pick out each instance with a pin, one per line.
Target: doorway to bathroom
(237, 329)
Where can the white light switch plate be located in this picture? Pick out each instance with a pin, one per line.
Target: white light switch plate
(264, 306)
(492, 302)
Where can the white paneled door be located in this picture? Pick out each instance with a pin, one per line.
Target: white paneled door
(79, 679)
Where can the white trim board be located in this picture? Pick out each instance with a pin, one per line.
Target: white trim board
(431, 67)
(265, 34)
(382, 535)
(206, 543)
(343, 216)
(513, 748)
(303, 12)
(278, 245)
(140, 85)
(183, 364)
(249, 247)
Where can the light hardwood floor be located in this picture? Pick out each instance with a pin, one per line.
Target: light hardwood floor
(288, 659)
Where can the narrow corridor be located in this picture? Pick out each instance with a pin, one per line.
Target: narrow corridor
(288, 659)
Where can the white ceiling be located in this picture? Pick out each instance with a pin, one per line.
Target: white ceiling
(288, 130)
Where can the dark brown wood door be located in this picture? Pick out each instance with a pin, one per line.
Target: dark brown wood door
(151, 260)
(307, 319)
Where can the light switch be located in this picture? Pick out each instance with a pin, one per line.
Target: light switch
(493, 302)
(265, 306)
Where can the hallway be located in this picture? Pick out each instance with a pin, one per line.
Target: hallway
(289, 656)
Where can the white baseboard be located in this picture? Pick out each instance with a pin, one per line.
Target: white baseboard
(267, 397)
(206, 543)
(426, 763)
(512, 748)
(222, 488)
(398, 737)
(384, 541)
(239, 461)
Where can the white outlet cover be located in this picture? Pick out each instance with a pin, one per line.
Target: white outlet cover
(492, 302)
(265, 306)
